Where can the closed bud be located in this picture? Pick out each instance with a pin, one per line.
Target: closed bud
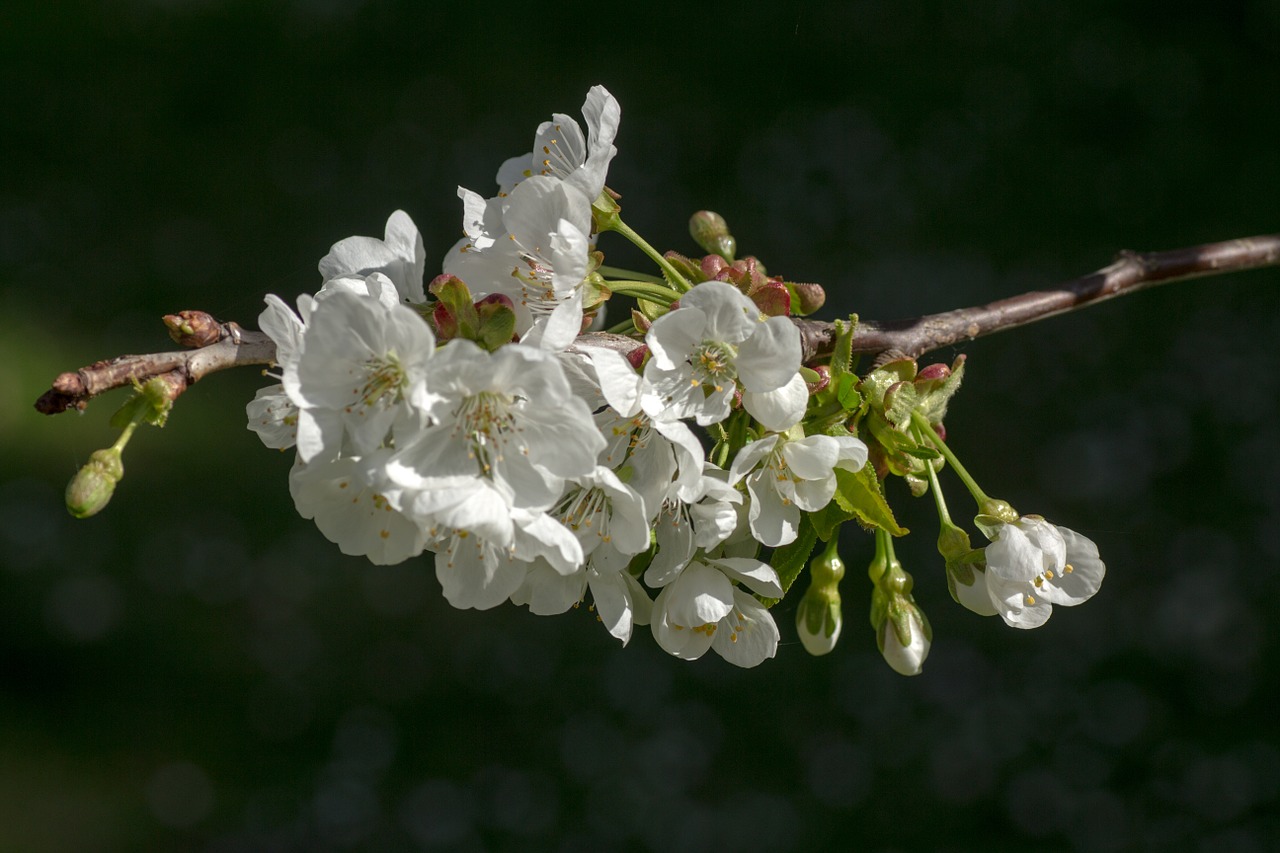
(905, 637)
(193, 328)
(819, 617)
(91, 488)
(709, 230)
(806, 297)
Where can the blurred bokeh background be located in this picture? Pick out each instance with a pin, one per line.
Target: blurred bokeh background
(197, 669)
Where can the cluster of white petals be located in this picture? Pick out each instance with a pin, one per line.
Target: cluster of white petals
(1032, 565)
(533, 472)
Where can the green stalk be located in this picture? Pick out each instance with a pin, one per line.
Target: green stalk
(927, 430)
(673, 275)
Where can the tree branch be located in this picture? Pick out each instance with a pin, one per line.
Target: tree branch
(1131, 272)
(232, 347)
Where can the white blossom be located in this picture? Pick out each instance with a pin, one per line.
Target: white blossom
(785, 475)
(344, 499)
(713, 341)
(399, 256)
(536, 251)
(362, 370)
(1033, 565)
(508, 417)
(561, 152)
(701, 609)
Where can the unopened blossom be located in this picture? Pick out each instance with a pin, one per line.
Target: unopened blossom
(712, 343)
(1033, 565)
(905, 652)
(561, 152)
(399, 256)
(785, 475)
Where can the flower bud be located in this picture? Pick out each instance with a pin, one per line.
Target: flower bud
(193, 328)
(806, 297)
(91, 488)
(709, 230)
(905, 637)
(819, 617)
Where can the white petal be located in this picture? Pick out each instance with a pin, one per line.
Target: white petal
(730, 316)
(770, 357)
(780, 409)
(1087, 569)
(760, 577)
(748, 636)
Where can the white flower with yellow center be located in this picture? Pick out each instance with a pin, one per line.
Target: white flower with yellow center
(1033, 565)
(361, 374)
(715, 341)
(786, 475)
(561, 152)
(537, 253)
(702, 609)
(344, 498)
(508, 417)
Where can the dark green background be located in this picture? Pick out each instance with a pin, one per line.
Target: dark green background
(197, 669)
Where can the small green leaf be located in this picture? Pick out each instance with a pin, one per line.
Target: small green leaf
(860, 495)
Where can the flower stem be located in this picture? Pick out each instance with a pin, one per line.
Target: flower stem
(618, 272)
(673, 275)
(926, 429)
(661, 294)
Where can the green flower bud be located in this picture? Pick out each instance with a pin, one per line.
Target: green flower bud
(91, 488)
(819, 617)
(709, 230)
(905, 637)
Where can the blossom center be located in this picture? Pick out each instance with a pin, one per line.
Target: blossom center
(384, 381)
(486, 422)
(713, 363)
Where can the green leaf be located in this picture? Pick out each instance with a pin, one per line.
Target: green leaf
(934, 398)
(860, 495)
(789, 560)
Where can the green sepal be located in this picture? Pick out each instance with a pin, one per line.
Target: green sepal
(789, 560)
(651, 310)
(859, 494)
(876, 383)
(150, 404)
(935, 394)
(496, 324)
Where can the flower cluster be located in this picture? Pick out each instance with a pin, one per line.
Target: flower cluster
(470, 417)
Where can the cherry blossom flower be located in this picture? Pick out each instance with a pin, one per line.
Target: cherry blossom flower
(561, 152)
(701, 609)
(534, 247)
(715, 340)
(785, 475)
(399, 256)
(343, 498)
(361, 372)
(1033, 565)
